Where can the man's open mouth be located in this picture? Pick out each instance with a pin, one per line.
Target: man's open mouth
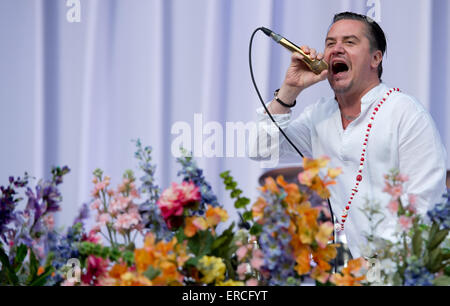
(339, 67)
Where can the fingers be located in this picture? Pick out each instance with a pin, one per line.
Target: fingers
(322, 76)
(312, 53)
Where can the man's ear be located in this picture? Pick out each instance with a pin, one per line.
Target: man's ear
(377, 57)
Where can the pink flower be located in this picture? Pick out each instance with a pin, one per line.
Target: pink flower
(412, 199)
(172, 201)
(402, 178)
(96, 268)
(127, 221)
(241, 270)
(99, 187)
(49, 221)
(393, 206)
(405, 223)
(241, 252)
(258, 259)
(96, 204)
(395, 191)
(252, 282)
(93, 237)
(102, 219)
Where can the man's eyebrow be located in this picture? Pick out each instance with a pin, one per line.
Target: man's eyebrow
(344, 38)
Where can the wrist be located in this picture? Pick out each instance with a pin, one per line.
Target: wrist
(288, 93)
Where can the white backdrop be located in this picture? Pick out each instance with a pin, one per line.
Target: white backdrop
(77, 93)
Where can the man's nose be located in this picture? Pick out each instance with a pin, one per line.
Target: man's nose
(337, 49)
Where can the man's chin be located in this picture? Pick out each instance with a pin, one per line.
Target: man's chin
(341, 87)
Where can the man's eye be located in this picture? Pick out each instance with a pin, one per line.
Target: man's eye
(330, 44)
(350, 42)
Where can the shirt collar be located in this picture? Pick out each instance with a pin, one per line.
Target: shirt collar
(374, 94)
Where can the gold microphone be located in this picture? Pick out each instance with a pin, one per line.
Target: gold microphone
(316, 66)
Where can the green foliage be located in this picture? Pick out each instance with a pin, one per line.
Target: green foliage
(12, 274)
(240, 202)
(111, 253)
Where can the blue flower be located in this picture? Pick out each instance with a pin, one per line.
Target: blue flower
(274, 242)
(440, 213)
(63, 248)
(190, 172)
(149, 210)
(418, 275)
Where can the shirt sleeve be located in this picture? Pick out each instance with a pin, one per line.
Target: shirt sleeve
(423, 158)
(269, 143)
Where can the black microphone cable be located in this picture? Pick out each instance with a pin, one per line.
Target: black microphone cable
(276, 124)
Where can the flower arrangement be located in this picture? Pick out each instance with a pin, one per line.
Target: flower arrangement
(145, 236)
(420, 254)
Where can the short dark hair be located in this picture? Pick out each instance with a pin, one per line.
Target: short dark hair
(375, 34)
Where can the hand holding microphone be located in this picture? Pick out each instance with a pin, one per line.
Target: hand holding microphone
(306, 68)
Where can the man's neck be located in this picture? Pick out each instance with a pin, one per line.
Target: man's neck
(352, 99)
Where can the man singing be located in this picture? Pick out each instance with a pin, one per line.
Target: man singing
(367, 128)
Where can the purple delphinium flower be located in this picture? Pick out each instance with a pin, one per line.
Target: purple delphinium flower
(149, 210)
(8, 203)
(279, 263)
(83, 214)
(191, 172)
(28, 226)
(63, 248)
(440, 213)
(417, 275)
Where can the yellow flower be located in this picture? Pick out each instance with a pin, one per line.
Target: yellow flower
(258, 208)
(215, 215)
(334, 172)
(231, 282)
(320, 275)
(212, 268)
(293, 193)
(303, 260)
(311, 168)
(132, 279)
(166, 257)
(324, 233)
(193, 224)
(270, 185)
(348, 276)
(310, 176)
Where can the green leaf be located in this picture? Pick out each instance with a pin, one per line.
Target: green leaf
(11, 275)
(447, 270)
(193, 261)
(201, 243)
(42, 279)
(219, 242)
(179, 234)
(256, 229)
(224, 174)
(442, 280)
(241, 202)
(417, 243)
(34, 266)
(248, 216)
(236, 193)
(433, 258)
(437, 239)
(433, 231)
(151, 273)
(20, 256)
